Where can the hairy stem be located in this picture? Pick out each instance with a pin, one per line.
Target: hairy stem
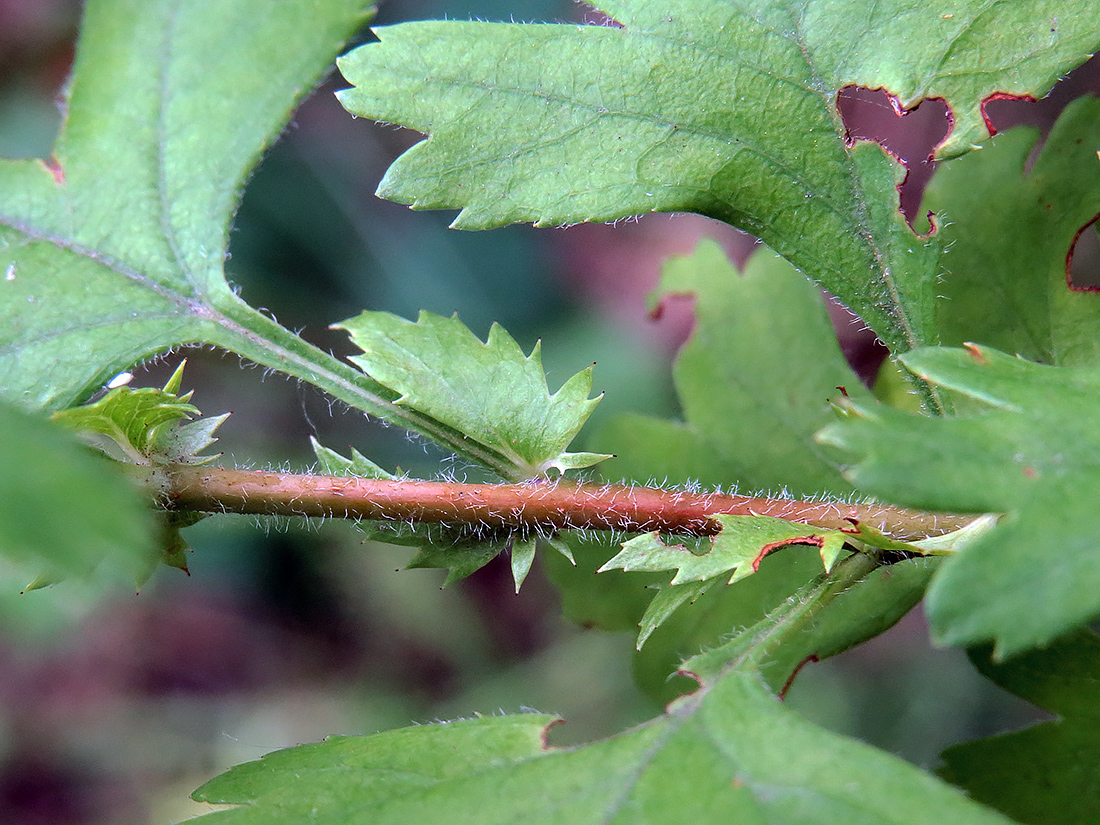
(546, 505)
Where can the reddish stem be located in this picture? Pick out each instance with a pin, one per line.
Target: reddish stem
(535, 505)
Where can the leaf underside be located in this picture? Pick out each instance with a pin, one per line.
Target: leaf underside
(114, 250)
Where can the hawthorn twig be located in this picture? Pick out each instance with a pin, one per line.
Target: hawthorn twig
(545, 505)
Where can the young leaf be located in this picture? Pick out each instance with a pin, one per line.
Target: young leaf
(1008, 225)
(1045, 774)
(145, 423)
(738, 549)
(63, 508)
(490, 391)
(727, 109)
(331, 463)
(1033, 454)
(131, 418)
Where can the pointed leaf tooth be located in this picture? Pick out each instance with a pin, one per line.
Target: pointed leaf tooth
(183, 443)
(332, 463)
(665, 603)
(561, 547)
(173, 384)
(523, 556)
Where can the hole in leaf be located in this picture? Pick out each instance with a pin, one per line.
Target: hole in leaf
(911, 136)
(1003, 111)
(1083, 259)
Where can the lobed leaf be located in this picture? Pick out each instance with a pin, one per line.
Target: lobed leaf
(729, 753)
(754, 381)
(738, 549)
(1032, 453)
(1044, 773)
(726, 109)
(146, 423)
(490, 391)
(1009, 223)
(132, 418)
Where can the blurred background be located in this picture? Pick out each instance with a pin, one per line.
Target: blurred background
(114, 707)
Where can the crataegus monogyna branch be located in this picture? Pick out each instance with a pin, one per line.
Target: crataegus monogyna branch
(543, 505)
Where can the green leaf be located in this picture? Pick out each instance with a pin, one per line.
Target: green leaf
(1008, 224)
(183, 443)
(523, 556)
(129, 417)
(331, 463)
(727, 109)
(1044, 774)
(752, 411)
(65, 510)
(730, 753)
(1032, 452)
(145, 423)
(726, 753)
(619, 601)
(755, 382)
(460, 555)
(738, 549)
(384, 767)
(114, 251)
(669, 597)
(490, 391)
(860, 612)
